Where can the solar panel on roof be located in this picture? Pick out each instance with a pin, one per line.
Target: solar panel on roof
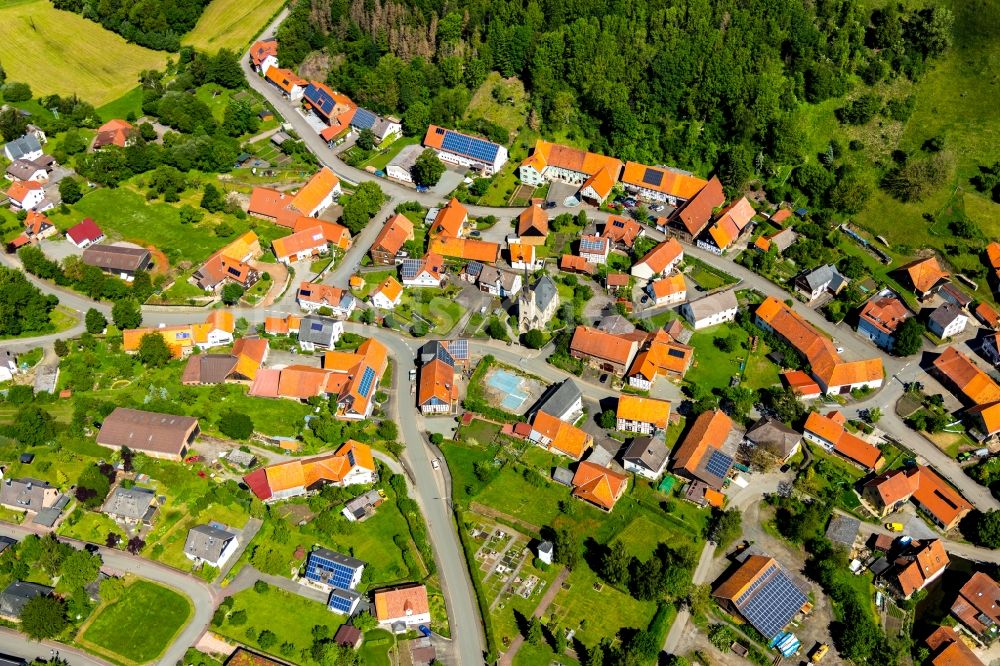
(719, 464)
(459, 349)
(316, 326)
(652, 177)
(774, 605)
(443, 355)
(676, 353)
(618, 223)
(596, 244)
(469, 146)
(439, 130)
(410, 268)
(363, 118)
(367, 381)
(340, 601)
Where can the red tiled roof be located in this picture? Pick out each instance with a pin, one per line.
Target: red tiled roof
(87, 230)
(698, 211)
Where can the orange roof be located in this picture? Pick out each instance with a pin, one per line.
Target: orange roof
(19, 189)
(930, 559)
(465, 248)
(260, 49)
(830, 428)
(933, 493)
(710, 431)
(948, 649)
(824, 427)
(740, 213)
(437, 380)
(990, 415)
(337, 234)
(621, 230)
(576, 264)
(302, 381)
(895, 486)
(644, 410)
(282, 325)
(800, 382)
(987, 314)
(272, 204)
(664, 354)
(662, 255)
(924, 274)
(780, 216)
(714, 498)
(975, 385)
(35, 223)
(698, 210)
(572, 159)
(562, 436)
(312, 239)
(312, 193)
(599, 344)
(521, 253)
(357, 393)
(723, 233)
(993, 254)
(390, 288)
(763, 243)
(450, 219)
(533, 219)
(309, 471)
(285, 79)
(598, 485)
(223, 320)
(250, 353)
(746, 575)
(668, 286)
(394, 234)
(401, 602)
(114, 132)
(885, 314)
(356, 282)
(601, 182)
(659, 179)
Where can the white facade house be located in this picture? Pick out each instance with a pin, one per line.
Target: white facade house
(399, 166)
(211, 545)
(8, 365)
(388, 295)
(660, 260)
(947, 321)
(217, 337)
(467, 151)
(711, 310)
(668, 290)
(594, 249)
(26, 195)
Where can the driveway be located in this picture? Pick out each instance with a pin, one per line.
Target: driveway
(450, 179)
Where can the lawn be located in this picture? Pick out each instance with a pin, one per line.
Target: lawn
(139, 626)
(90, 526)
(231, 24)
(707, 277)
(441, 313)
(167, 545)
(509, 111)
(62, 52)
(712, 367)
(381, 159)
(130, 102)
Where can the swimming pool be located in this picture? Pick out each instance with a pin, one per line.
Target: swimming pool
(509, 385)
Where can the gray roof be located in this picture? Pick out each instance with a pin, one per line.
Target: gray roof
(358, 507)
(562, 475)
(545, 547)
(47, 517)
(16, 595)
(116, 257)
(491, 274)
(18, 148)
(11, 660)
(241, 458)
(339, 558)
(318, 330)
(207, 542)
(25, 494)
(820, 277)
(616, 324)
(649, 452)
(406, 158)
(558, 398)
(945, 314)
(713, 304)
(22, 169)
(132, 503)
(544, 292)
(6, 542)
(774, 436)
(843, 530)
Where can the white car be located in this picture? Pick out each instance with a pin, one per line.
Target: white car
(435, 464)
(840, 350)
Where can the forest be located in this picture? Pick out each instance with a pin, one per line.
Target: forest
(155, 24)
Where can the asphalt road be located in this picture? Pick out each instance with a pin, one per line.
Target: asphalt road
(16, 644)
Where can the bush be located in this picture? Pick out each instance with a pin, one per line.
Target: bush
(236, 425)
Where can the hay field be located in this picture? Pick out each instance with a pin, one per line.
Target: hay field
(231, 24)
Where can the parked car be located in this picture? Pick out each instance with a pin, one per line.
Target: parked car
(475, 233)
(894, 527)
(549, 204)
(422, 188)
(413, 374)
(631, 203)
(604, 378)
(658, 208)
(436, 464)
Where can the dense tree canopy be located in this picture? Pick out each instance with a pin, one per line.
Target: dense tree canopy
(23, 307)
(157, 24)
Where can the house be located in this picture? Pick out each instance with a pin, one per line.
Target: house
(286, 325)
(888, 492)
(316, 331)
(598, 485)
(728, 227)
(641, 415)
(574, 264)
(465, 150)
(333, 108)
(38, 226)
(314, 295)
(351, 464)
(716, 308)
(692, 218)
(558, 436)
(407, 606)
(668, 290)
(763, 593)
(700, 456)
(8, 365)
(468, 249)
(358, 377)
(819, 281)
(329, 569)
(615, 282)
(829, 432)
(450, 220)
(349, 636)
(157, 435)
(834, 375)
(336, 235)
(533, 225)
(545, 551)
(843, 531)
(594, 249)
(987, 315)
(181, 338)
(362, 507)
(604, 351)
(210, 544)
(563, 401)
(400, 167)
(319, 192)
(426, 272)
(537, 305)
(84, 234)
(118, 260)
(131, 506)
(204, 369)
(646, 456)
(656, 184)
(250, 354)
(921, 565)
(947, 321)
(388, 245)
(622, 231)
(662, 355)
(522, 257)
(594, 174)
(26, 170)
(27, 494)
(16, 596)
(115, 132)
(924, 275)
(264, 55)
(231, 263)
(499, 283)
(28, 147)
(801, 384)
(779, 240)
(880, 317)
(973, 386)
(384, 129)
(775, 437)
(948, 649)
(306, 244)
(978, 606)
(954, 295)
(437, 391)
(659, 261)
(27, 195)
(387, 295)
(291, 85)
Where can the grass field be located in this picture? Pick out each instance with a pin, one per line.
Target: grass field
(130, 102)
(509, 112)
(62, 52)
(140, 625)
(230, 24)
(288, 615)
